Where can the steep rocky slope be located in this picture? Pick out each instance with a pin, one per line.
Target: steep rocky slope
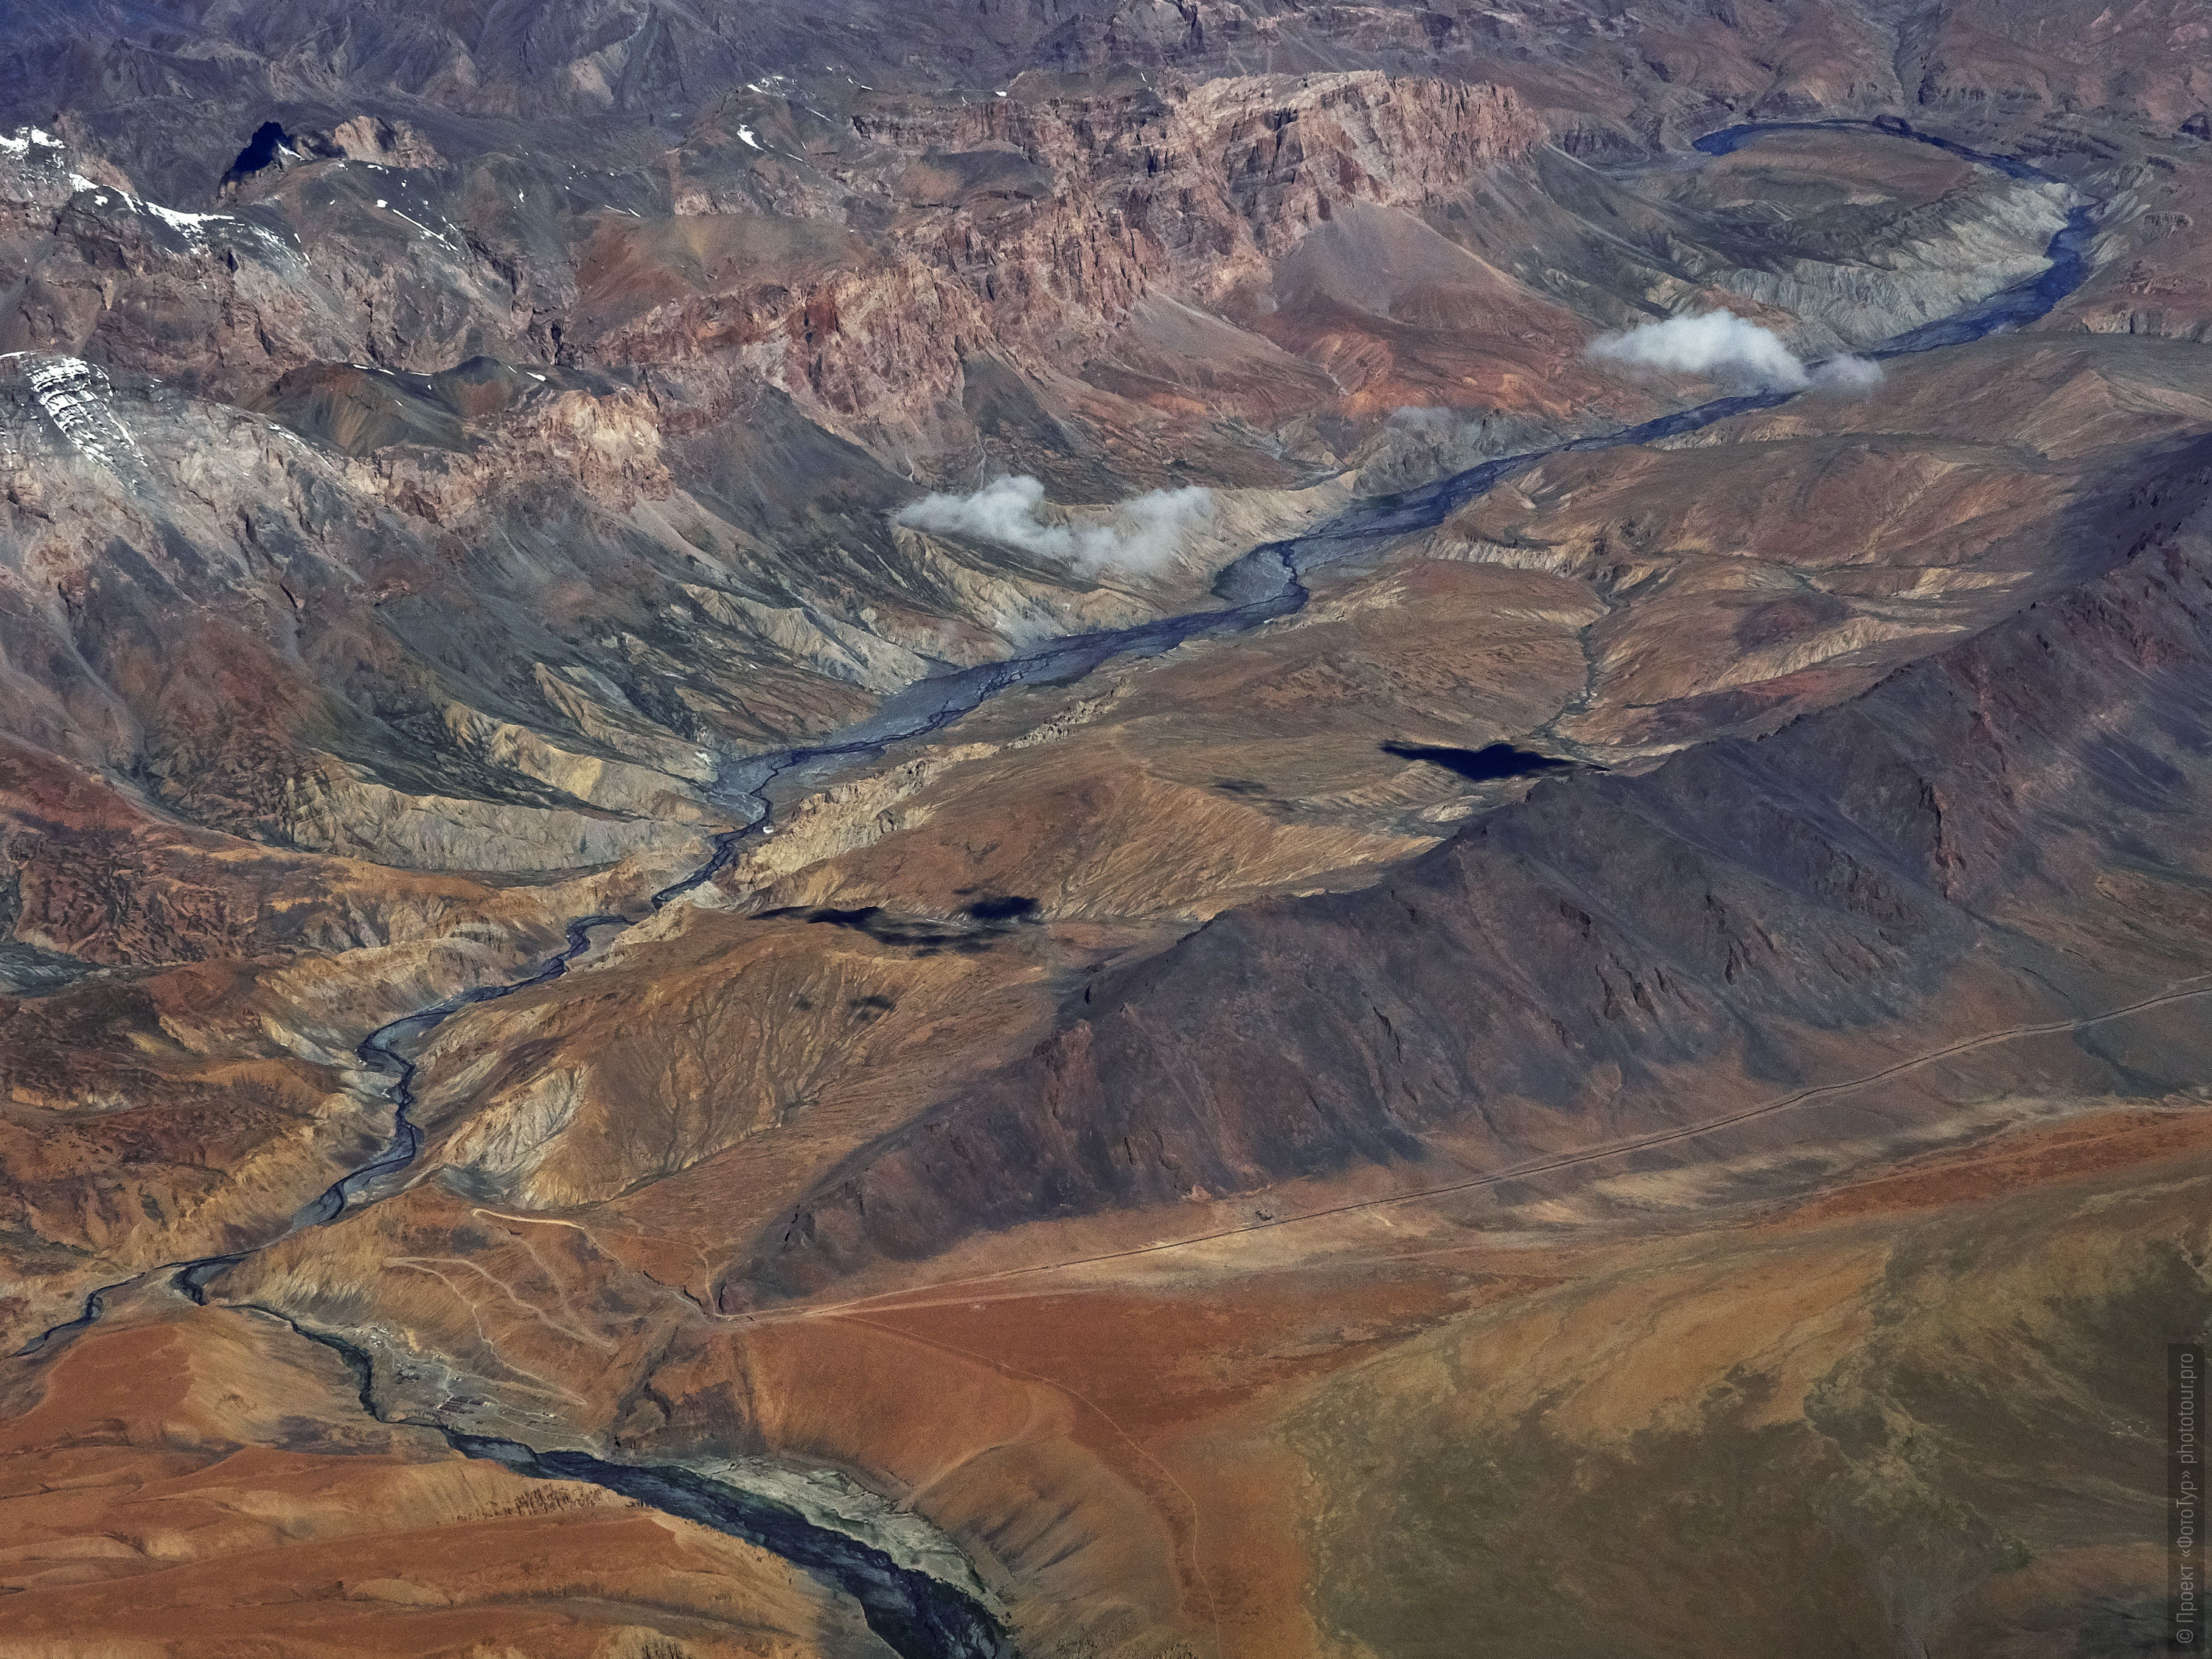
(1608, 953)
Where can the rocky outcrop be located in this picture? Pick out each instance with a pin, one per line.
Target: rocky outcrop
(1031, 226)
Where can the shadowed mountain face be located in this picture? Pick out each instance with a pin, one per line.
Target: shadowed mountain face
(875, 829)
(1611, 952)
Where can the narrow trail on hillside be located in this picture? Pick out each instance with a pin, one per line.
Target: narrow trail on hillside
(899, 1301)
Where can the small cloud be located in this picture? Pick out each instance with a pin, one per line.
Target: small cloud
(1139, 536)
(1847, 374)
(1723, 346)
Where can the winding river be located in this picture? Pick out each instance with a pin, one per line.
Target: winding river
(918, 1616)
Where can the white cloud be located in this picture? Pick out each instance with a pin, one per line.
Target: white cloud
(1733, 349)
(1139, 536)
(1847, 374)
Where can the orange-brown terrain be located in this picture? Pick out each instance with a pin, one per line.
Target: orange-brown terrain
(1170, 832)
